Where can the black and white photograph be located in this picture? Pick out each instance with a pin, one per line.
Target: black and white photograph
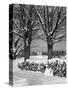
(37, 45)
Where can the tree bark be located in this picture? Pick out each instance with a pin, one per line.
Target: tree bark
(27, 50)
(27, 41)
(27, 53)
(50, 48)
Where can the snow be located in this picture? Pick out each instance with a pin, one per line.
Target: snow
(24, 78)
(48, 72)
(60, 60)
(42, 59)
(39, 60)
(21, 82)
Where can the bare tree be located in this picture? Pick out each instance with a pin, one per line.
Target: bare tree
(28, 19)
(25, 26)
(53, 23)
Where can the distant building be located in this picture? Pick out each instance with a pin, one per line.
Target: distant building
(39, 53)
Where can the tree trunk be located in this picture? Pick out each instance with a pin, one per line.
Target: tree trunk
(50, 49)
(27, 55)
(26, 51)
(27, 41)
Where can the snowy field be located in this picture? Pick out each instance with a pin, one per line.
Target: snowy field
(25, 78)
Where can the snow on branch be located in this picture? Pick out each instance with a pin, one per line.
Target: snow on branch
(18, 34)
(17, 41)
(62, 20)
(58, 18)
(40, 18)
(26, 13)
(18, 49)
(22, 30)
(41, 21)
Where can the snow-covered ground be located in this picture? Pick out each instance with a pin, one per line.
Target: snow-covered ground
(22, 77)
(42, 59)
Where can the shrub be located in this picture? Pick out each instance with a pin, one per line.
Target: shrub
(59, 69)
(32, 66)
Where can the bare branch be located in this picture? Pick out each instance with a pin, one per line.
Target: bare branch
(11, 32)
(58, 26)
(18, 48)
(17, 42)
(59, 39)
(39, 37)
(20, 51)
(35, 23)
(41, 21)
(18, 34)
(22, 30)
(62, 20)
(26, 13)
(47, 20)
(37, 28)
(40, 18)
(58, 17)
